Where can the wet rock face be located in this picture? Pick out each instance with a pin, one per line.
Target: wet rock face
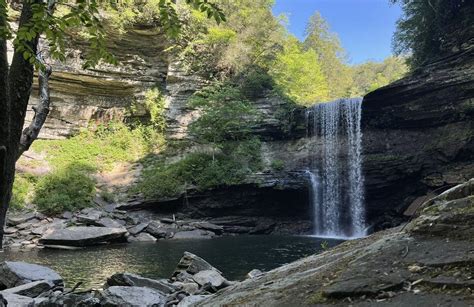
(419, 134)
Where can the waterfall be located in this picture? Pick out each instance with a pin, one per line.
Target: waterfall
(335, 175)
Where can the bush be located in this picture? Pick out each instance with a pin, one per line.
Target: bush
(22, 188)
(202, 170)
(277, 165)
(68, 188)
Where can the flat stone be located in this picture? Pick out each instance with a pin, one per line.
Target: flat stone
(254, 273)
(208, 226)
(15, 300)
(10, 230)
(193, 234)
(108, 222)
(14, 274)
(91, 218)
(142, 237)
(138, 228)
(158, 230)
(132, 296)
(209, 277)
(133, 280)
(83, 236)
(32, 289)
(16, 220)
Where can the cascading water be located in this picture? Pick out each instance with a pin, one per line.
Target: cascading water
(335, 174)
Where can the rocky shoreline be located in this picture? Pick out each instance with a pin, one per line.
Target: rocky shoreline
(427, 262)
(108, 224)
(24, 284)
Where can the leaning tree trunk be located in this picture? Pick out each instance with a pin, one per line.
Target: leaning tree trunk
(16, 90)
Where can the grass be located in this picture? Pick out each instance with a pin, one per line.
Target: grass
(71, 186)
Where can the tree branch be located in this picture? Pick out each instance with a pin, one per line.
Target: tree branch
(31, 132)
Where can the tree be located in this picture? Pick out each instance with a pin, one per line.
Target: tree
(429, 29)
(330, 54)
(41, 32)
(299, 75)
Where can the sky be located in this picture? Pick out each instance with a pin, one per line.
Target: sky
(365, 27)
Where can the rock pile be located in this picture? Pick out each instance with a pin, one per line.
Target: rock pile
(194, 279)
(93, 226)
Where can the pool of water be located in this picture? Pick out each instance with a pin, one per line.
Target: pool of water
(234, 256)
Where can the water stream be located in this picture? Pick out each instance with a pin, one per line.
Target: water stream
(335, 172)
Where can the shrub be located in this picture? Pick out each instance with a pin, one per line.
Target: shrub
(22, 188)
(277, 165)
(68, 188)
(202, 170)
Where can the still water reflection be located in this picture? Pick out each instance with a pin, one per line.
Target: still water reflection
(234, 256)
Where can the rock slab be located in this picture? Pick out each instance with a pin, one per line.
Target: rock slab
(14, 274)
(83, 236)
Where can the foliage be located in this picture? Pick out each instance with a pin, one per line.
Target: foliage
(372, 75)
(250, 37)
(331, 55)
(298, 73)
(99, 148)
(277, 165)
(201, 170)
(155, 105)
(125, 13)
(68, 188)
(53, 19)
(427, 28)
(22, 188)
(225, 114)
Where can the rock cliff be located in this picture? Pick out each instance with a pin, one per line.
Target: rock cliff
(418, 131)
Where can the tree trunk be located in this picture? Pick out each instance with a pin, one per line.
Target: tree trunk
(4, 129)
(17, 88)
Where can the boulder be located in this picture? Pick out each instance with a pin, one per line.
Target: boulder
(132, 296)
(83, 236)
(14, 274)
(192, 264)
(15, 300)
(158, 230)
(142, 237)
(91, 218)
(138, 228)
(212, 277)
(133, 280)
(32, 289)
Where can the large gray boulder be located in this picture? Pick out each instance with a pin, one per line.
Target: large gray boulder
(212, 277)
(132, 296)
(32, 289)
(191, 300)
(83, 236)
(192, 264)
(15, 300)
(14, 274)
(133, 280)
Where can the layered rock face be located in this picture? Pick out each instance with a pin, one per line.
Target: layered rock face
(419, 134)
(80, 97)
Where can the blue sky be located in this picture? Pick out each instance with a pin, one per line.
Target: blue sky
(365, 27)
